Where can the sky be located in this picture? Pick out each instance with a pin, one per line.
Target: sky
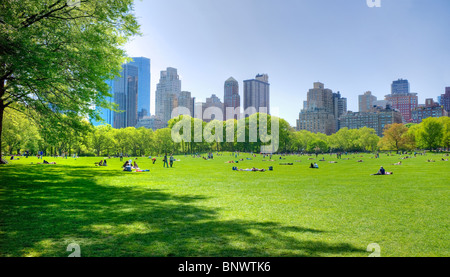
(344, 44)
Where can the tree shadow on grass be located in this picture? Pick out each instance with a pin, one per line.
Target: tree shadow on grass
(43, 209)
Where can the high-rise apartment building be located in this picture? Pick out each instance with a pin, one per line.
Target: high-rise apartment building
(168, 91)
(215, 102)
(231, 98)
(366, 101)
(185, 100)
(402, 99)
(323, 109)
(144, 77)
(376, 118)
(445, 99)
(430, 109)
(257, 94)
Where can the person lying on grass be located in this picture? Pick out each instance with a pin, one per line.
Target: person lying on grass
(399, 163)
(45, 162)
(382, 171)
(252, 169)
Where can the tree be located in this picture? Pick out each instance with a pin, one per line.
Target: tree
(163, 140)
(445, 120)
(367, 139)
(430, 134)
(394, 137)
(102, 139)
(55, 57)
(317, 146)
(19, 133)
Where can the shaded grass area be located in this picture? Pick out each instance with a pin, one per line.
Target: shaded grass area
(202, 208)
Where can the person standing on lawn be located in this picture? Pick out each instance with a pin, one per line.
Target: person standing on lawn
(172, 159)
(165, 161)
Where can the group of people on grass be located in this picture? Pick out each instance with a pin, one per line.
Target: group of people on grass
(130, 165)
(249, 169)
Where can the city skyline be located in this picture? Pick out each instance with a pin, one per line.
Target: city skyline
(352, 48)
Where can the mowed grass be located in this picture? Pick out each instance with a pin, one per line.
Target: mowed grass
(203, 208)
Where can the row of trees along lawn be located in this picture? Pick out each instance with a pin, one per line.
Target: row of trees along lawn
(22, 133)
(55, 58)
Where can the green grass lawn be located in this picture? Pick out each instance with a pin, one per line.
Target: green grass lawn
(203, 208)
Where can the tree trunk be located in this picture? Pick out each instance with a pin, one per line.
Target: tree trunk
(2, 110)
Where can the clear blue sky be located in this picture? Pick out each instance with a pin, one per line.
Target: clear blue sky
(348, 46)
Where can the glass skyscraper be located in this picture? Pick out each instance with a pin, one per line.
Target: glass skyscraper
(131, 92)
(126, 96)
(106, 114)
(144, 77)
(400, 87)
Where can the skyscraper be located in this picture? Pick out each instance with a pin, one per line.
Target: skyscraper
(167, 92)
(402, 99)
(323, 109)
(366, 101)
(185, 100)
(400, 87)
(131, 92)
(231, 98)
(257, 93)
(106, 114)
(445, 99)
(143, 65)
(126, 97)
(212, 101)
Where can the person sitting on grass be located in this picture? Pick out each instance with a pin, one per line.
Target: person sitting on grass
(127, 166)
(104, 163)
(316, 165)
(382, 171)
(135, 165)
